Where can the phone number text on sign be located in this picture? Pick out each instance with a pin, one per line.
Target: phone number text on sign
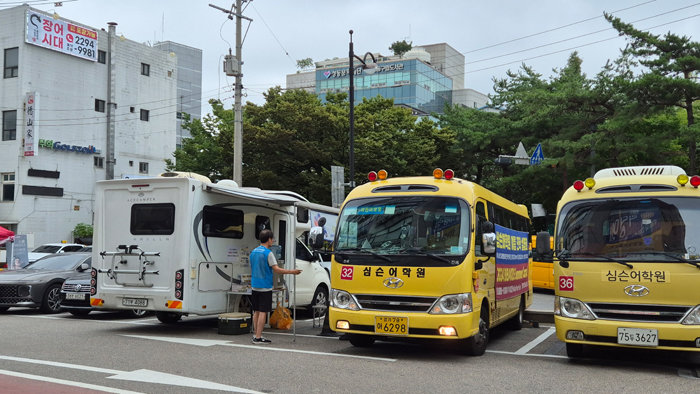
(44, 31)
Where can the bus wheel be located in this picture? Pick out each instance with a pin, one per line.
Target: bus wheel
(516, 322)
(168, 317)
(476, 345)
(361, 340)
(574, 350)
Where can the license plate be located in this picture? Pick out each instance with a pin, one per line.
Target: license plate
(391, 325)
(75, 296)
(134, 302)
(637, 336)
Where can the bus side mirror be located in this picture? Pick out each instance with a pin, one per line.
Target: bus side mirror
(543, 247)
(488, 243)
(542, 243)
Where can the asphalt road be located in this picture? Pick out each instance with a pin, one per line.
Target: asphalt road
(106, 352)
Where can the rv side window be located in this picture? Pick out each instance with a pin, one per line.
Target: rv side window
(222, 222)
(261, 223)
(302, 215)
(152, 219)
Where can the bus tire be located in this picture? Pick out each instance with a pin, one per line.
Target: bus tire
(361, 340)
(574, 350)
(476, 345)
(168, 317)
(516, 322)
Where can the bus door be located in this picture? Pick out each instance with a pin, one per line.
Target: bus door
(484, 284)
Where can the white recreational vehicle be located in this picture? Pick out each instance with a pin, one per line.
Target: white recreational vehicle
(179, 245)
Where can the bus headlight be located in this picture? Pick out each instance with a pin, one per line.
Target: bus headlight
(573, 308)
(693, 317)
(452, 303)
(344, 300)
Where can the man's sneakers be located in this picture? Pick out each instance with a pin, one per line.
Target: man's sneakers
(261, 341)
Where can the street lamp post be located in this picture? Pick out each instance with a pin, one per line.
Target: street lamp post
(370, 68)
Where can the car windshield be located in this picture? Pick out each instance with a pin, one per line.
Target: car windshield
(416, 225)
(59, 263)
(648, 229)
(47, 249)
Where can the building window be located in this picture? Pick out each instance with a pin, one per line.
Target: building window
(101, 57)
(99, 161)
(131, 163)
(170, 73)
(145, 69)
(7, 191)
(143, 167)
(132, 109)
(11, 62)
(99, 105)
(9, 125)
(144, 115)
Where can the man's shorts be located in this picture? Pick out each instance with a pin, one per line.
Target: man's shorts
(262, 301)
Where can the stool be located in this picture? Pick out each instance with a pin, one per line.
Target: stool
(319, 311)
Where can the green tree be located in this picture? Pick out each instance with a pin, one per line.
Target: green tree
(669, 79)
(401, 47)
(305, 63)
(291, 141)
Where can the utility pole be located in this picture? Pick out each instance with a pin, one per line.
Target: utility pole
(238, 112)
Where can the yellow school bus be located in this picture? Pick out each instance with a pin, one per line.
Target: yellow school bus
(429, 257)
(542, 267)
(627, 243)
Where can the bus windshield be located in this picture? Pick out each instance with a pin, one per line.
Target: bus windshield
(405, 226)
(638, 229)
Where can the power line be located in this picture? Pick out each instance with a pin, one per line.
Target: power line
(554, 29)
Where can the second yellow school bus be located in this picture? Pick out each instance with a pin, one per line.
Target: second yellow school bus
(628, 260)
(429, 257)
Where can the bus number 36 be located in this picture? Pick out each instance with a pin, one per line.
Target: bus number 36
(566, 283)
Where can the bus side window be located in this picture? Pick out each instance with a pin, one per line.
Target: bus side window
(480, 219)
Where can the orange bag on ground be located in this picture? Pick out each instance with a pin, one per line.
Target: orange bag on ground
(281, 318)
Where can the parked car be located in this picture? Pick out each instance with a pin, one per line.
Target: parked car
(39, 284)
(75, 297)
(85, 249)
(47, 249)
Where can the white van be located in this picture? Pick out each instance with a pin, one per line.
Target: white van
(178, 245)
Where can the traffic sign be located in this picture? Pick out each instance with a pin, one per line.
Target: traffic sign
(537, 155)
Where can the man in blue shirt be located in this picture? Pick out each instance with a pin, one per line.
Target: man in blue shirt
(262, 265)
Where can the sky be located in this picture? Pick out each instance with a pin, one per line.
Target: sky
(494, 36)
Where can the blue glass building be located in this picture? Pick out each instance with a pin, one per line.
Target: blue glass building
(410, 82)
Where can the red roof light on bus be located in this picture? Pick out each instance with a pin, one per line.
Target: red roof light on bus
(449, 174)
(695, 181)
(372, 176)
(578, 185)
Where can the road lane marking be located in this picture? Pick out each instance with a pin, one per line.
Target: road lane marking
(536, 341)
(67, 382)
(139, 375)
(527, 354)
(59, 364)
(214, 342)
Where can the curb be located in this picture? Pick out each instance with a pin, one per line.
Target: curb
(539, 316)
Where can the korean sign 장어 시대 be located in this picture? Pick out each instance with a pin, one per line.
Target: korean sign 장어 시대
(61, 36)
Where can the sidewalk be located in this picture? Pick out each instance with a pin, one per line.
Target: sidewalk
(542, 308)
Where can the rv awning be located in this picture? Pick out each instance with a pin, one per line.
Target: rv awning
(251, 195)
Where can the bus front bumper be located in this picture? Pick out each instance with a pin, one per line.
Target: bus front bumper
(671, 336)
(420, 325)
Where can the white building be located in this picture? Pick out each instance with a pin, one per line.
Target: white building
(189, 83)
(71, 98)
